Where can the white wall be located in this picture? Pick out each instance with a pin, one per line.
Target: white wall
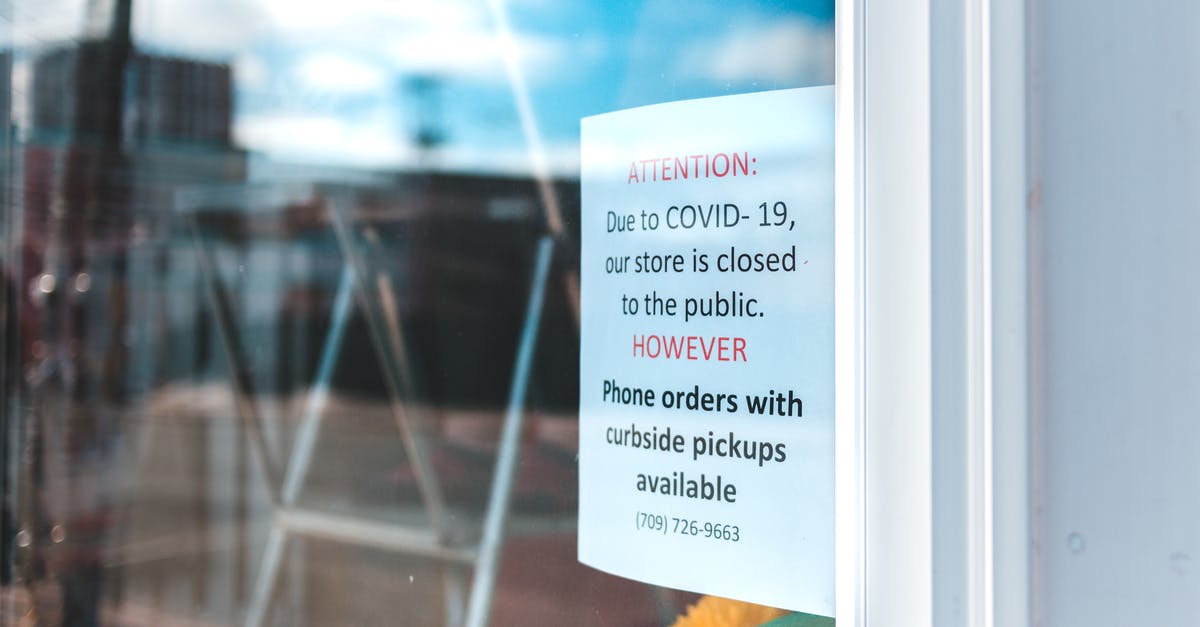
(1115, 314)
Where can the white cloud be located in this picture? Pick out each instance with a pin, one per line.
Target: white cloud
(790, 50)
(368, 142)
(332, 72)
(562, 160)
(321, 14)
(474, 53)
(215, 29)
(450, 38)
(374, 144)
(250, 71)
(228, 27)
(448, 52)
(36, 22)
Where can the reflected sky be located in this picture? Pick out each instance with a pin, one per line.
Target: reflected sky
(359, 83)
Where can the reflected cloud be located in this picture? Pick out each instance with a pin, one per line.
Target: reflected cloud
(250, 71)
(473, 54)
(43, 21)
(340, 73)
(368, 142)
(562, 160)
(782, 52)
(321, 81)
(321, 14)
(211, 29)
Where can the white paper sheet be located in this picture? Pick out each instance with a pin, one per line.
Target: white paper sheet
(707, 331)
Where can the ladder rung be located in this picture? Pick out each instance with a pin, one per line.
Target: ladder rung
(391, 537)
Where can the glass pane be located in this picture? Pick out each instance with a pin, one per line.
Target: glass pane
(266, 272)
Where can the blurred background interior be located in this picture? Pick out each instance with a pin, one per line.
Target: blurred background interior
(267, 271)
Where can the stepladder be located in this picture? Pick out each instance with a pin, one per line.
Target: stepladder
(469, 551)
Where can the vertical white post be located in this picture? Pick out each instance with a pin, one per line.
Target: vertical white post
(1012, 513)
(848, 310)
(491, 545)
(898, 292)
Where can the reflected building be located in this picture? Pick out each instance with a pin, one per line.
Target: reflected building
(165, 100)
(102, 160)
(125, 196)
(111, 134)
(173, 127)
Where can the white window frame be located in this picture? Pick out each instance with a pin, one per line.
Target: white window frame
(932, 297)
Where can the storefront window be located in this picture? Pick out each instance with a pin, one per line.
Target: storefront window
(267, 274)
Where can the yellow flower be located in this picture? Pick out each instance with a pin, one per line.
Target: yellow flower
(717, 612)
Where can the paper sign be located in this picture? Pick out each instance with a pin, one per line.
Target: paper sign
(707, 357)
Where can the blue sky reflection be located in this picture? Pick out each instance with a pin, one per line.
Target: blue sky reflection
(335, 83)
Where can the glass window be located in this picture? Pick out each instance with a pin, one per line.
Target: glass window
(266, 270)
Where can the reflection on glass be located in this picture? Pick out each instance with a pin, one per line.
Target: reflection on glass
(267, 268)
